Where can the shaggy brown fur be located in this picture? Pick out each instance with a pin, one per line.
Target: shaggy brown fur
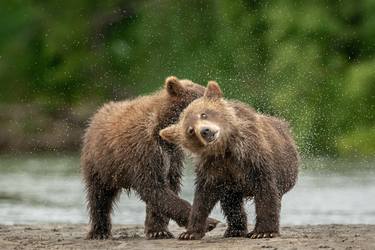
(122, 149)
(241, 154)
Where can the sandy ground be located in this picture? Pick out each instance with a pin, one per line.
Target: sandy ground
(65, 236)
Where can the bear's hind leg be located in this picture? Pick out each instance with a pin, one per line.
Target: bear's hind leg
(267, 209)
(156, 224)
(100, 203)
(233, 207)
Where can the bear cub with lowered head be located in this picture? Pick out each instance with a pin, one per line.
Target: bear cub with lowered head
(122, 149)
(240, 154)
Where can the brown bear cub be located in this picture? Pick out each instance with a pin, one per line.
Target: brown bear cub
(122, 149)
(240, 154)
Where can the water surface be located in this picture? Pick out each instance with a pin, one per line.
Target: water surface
(48, 189)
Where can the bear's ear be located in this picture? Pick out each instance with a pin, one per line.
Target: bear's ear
(170, 134)
(213, 90)
(173, 86)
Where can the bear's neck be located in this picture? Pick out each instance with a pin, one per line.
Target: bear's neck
(234, 152)
(225, 168)
(167, 114)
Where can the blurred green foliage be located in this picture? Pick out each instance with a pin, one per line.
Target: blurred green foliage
(311, 62)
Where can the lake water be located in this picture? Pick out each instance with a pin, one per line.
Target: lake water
(48, 189)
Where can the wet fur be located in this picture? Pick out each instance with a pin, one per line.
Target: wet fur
(122, 149)
(256, 157)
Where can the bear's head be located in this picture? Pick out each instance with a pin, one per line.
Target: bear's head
(205, 126)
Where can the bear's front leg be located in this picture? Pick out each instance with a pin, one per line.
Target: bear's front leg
(267, 208)
(156, 224)
(232, 205)
(204, 201)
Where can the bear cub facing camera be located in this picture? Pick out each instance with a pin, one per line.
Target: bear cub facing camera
(122, 149)
(240, 154)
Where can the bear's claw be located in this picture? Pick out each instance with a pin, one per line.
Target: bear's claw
(259, 235)
(159, 235)
(190, 236)
(211, 224)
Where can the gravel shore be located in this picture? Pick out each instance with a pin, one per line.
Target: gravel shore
(71, 236)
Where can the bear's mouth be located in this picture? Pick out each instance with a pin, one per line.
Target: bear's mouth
(213, 138)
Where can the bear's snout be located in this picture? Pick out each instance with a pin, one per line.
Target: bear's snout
(209, 134)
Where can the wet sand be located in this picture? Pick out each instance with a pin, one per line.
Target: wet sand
(71, 236)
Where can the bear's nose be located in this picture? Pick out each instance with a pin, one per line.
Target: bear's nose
(208, 134)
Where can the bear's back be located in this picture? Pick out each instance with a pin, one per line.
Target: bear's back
(269, 133)
(116, 118)
(248, 117)
(125, 127)
(284, 150)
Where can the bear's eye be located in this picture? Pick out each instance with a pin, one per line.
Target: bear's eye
(190, 130)
(204, 116)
